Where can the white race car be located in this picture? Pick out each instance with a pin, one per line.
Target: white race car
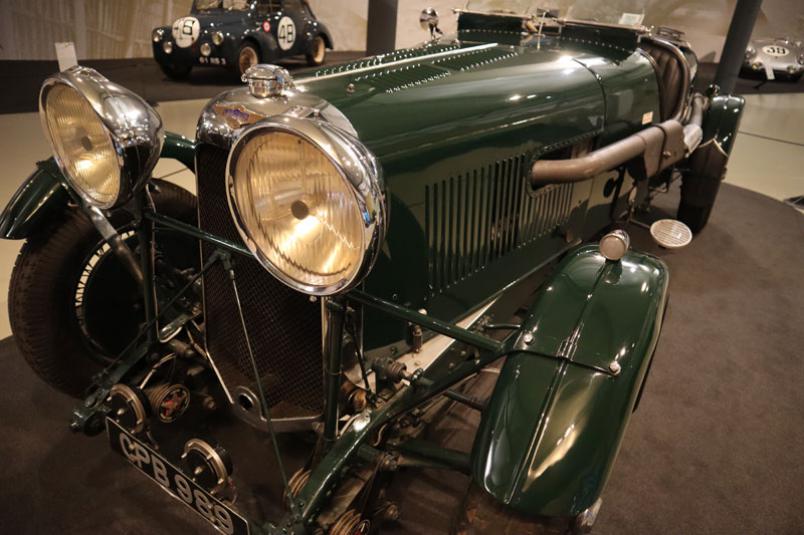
(772, 59)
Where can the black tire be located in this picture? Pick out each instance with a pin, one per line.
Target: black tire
(700, 186)
(481, 514)
(43, 306)
(176, 72)
(246, 57)
(317, 55)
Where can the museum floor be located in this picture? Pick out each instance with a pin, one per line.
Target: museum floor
(714, 448)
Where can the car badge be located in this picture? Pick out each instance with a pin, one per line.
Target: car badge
(236, 115)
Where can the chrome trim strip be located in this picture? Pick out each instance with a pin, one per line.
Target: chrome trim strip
(455, 52)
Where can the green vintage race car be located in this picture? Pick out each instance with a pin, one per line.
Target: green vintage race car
(365, 240)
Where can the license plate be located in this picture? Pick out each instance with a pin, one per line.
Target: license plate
(173, 480)
(212, 61)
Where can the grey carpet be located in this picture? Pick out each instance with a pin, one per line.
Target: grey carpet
(717, 445)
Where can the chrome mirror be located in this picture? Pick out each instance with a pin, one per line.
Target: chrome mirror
(429, 21)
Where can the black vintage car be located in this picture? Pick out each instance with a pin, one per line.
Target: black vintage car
(239, 34)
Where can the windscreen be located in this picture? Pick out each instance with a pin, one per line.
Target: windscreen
(623, 12)
(206, 5)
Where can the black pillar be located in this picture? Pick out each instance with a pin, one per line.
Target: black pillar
(742, 24)
(381, 35)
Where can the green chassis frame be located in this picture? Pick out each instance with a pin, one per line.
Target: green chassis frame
(89, 416)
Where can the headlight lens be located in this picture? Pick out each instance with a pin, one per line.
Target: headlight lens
(105, 138)
(308, 204)
(157, 34)
(82, 145)
(217, 38)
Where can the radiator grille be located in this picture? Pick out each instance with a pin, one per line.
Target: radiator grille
(284, 326)
(477, 217)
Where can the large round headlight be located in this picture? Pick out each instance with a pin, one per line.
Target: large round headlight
(307, 199)
(105, 138)
(83, 145)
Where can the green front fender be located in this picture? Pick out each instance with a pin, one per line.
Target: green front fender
(553, 427)
(44, 194)
(35, 202)
(722, 121)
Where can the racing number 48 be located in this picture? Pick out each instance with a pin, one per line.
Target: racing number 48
(287, 33)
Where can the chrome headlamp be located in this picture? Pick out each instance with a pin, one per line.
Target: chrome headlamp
(307, 199)
(105, 138)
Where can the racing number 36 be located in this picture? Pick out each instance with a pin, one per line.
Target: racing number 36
(286, 33)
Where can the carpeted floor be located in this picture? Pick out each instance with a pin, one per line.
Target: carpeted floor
(716, 446)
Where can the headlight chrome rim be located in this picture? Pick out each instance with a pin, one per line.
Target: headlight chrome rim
(361, 173)
(131, 124)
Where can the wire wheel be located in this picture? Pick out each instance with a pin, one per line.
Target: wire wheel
(248, 57)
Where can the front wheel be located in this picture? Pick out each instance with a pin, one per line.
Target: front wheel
(481, 514)
(318, 52)
(247, 57)
(72, 305)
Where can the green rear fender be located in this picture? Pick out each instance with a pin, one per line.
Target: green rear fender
(44, 194)
(553, 426)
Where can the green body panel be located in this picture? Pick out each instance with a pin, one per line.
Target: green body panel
(722, 120)
(34, 201)
(554, 424)
(456, 129)
(43, 195)
(180, 148)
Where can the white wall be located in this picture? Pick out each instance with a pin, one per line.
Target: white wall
(100, 29)
(347, 21)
